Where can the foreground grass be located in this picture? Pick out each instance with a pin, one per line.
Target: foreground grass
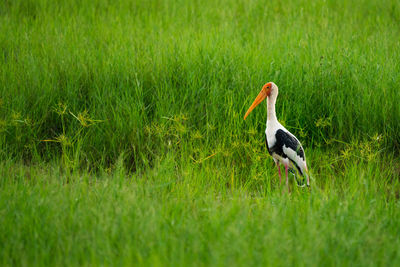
(196, 216)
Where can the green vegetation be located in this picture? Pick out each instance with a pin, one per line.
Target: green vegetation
(122, 138)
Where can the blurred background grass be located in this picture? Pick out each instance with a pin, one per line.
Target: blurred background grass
(146, 77)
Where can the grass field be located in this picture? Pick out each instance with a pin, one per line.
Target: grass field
(122, 138)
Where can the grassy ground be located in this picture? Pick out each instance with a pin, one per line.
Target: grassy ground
(122, 138)
(174, 216)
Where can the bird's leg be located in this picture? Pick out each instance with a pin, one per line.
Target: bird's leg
(279, 171)
(287, 178)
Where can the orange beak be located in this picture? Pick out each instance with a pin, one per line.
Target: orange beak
(261, 96)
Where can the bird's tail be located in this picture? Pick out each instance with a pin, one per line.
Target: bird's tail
(302, 179)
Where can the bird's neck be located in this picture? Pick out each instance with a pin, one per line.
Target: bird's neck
(271, 115)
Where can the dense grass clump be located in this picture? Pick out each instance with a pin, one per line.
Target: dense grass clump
(143, 65)
(122, 138)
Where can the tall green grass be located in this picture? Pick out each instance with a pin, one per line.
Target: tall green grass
(146, 64)
(122, 138)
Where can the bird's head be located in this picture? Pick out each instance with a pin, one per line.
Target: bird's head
(269, 90)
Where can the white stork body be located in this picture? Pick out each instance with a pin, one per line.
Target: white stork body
(281, 144)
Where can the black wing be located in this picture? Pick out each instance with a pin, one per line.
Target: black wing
(287, 140)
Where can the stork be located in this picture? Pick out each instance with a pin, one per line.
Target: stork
(283, 146)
